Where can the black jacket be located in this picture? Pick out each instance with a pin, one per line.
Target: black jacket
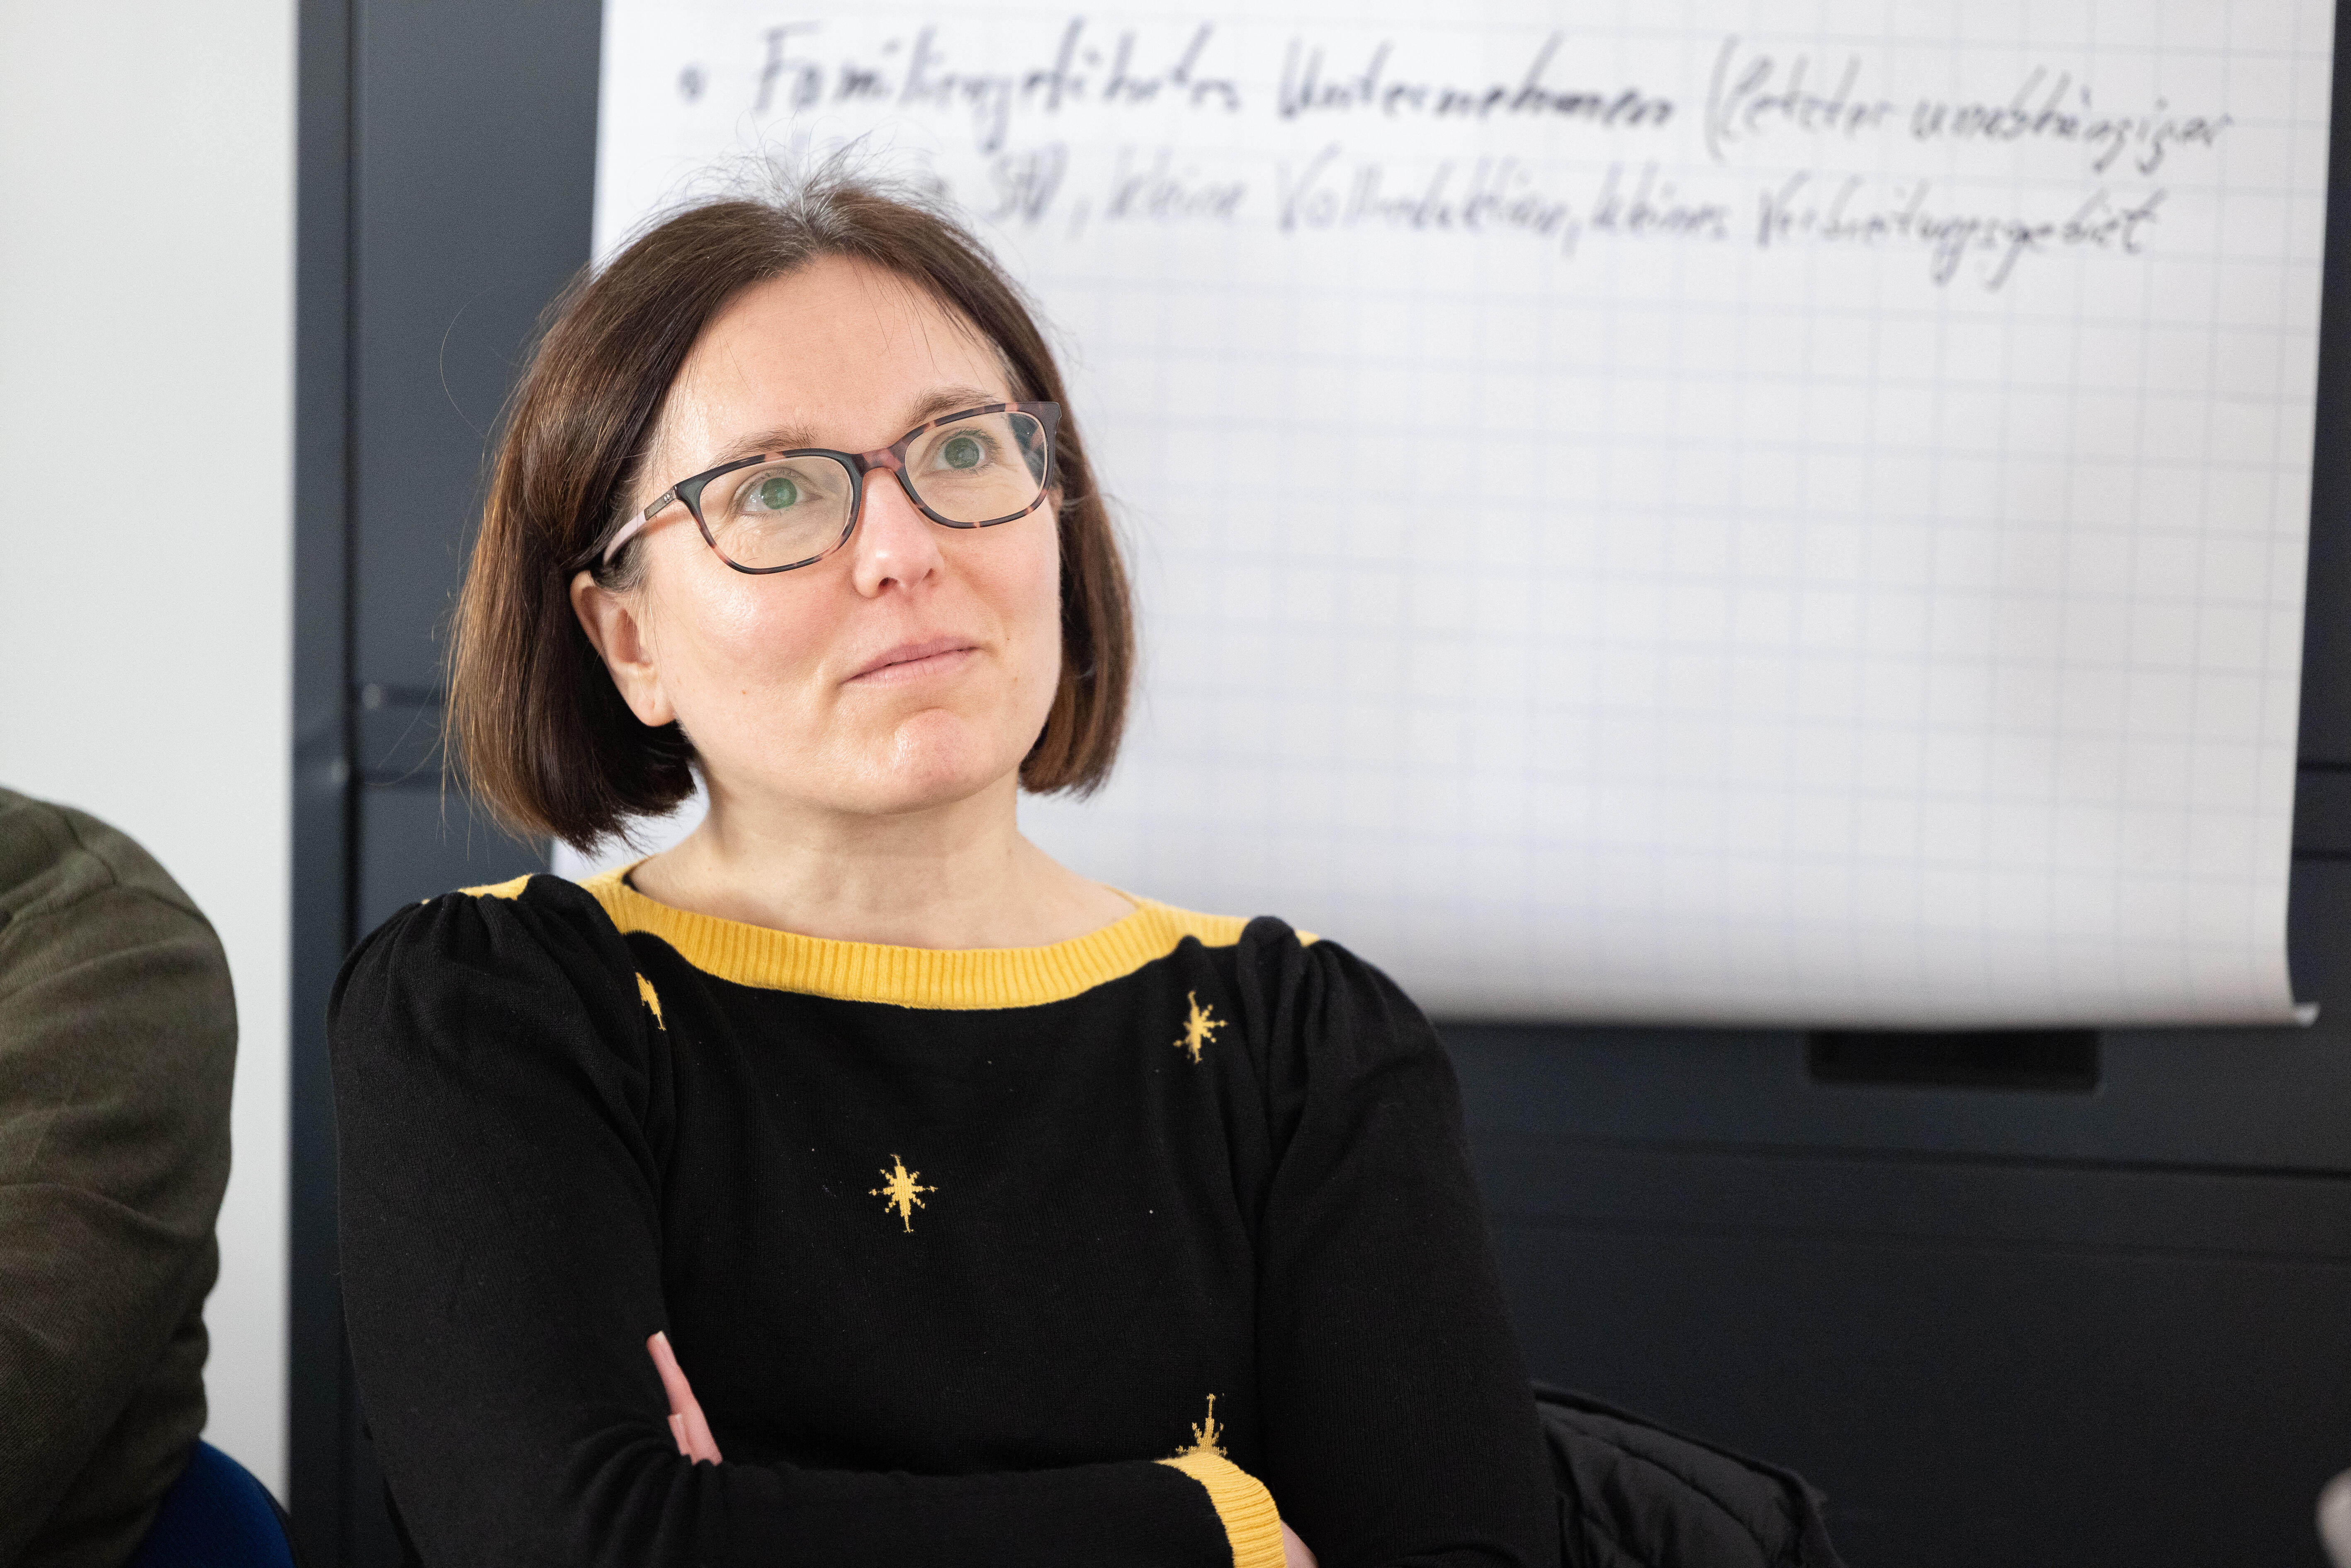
(1633, 1494)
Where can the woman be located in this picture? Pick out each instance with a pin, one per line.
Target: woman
(972, 1210)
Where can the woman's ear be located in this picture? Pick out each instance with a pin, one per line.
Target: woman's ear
(614, 623)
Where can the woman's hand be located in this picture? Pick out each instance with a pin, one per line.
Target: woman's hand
(685, 1422)
(694, 1441)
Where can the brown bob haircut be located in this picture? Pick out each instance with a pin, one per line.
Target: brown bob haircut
(538, 727)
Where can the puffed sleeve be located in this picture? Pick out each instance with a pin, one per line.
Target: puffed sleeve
(1400, 1425)
(504, 1119)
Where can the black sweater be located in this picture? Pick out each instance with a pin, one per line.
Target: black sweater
(956, 1247)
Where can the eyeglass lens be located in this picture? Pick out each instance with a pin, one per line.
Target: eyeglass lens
(983, 469)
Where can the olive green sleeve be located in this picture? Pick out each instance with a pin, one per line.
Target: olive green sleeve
(118, 1039)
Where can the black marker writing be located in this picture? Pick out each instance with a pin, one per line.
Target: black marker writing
(1306, 89)
(1853, 214)
(1750, 98)
(1077, 72)
(2064, 113)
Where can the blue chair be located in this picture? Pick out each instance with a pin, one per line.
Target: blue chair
(216, 1516)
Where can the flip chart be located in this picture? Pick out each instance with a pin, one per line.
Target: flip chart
(1759, 511)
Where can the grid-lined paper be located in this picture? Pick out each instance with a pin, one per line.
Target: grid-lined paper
(1761, 511)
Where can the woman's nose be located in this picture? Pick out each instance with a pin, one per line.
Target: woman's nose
(894, 542)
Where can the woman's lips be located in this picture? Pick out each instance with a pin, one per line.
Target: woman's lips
(914, 661)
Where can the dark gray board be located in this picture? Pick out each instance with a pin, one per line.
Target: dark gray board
(1997, 1326)
(446, 162)
(1980, 1362)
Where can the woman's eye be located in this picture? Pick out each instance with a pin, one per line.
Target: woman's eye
(774, 493)
(963, 451)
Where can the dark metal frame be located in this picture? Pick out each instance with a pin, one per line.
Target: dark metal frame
(321, 1416)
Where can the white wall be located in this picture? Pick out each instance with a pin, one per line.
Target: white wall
(146, 367)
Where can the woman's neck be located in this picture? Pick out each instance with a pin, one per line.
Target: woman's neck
(954, 876)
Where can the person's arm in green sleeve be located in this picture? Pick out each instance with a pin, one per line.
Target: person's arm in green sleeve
(118, 1041)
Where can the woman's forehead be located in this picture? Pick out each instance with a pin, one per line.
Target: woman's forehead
(839, 353)
(838, 334)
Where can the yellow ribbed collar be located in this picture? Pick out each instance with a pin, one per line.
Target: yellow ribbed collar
(966, 977)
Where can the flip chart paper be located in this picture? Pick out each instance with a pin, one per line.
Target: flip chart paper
(1720, 512)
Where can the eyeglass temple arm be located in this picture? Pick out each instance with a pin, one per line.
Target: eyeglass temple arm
(636, 524)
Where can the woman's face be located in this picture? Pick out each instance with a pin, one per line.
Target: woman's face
(911, 668)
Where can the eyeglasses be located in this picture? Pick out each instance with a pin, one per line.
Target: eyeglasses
(782, 511)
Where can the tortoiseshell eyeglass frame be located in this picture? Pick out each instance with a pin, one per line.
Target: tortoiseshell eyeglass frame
(891, 458)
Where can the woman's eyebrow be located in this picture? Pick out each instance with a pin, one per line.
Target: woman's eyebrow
(782, 438)
(948, 400)
(792, 437)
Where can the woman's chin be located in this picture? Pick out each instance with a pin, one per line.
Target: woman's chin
(903, 797)
(925, 763)
(923, 771)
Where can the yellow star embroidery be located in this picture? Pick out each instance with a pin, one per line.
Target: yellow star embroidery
(1204, 1436)
(647, 995)
(1200, 1028)
(898, 1191)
